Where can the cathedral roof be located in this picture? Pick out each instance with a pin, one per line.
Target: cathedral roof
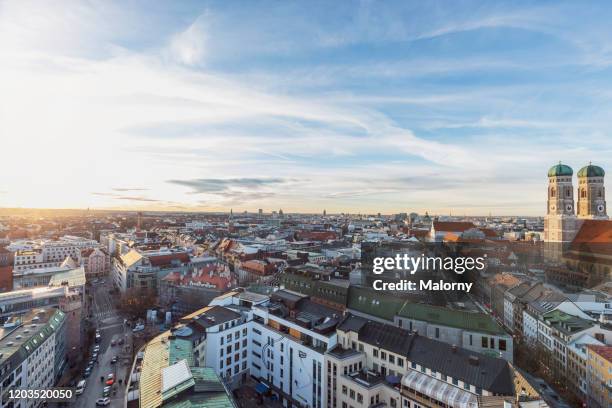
(560, 170)
(591, 171)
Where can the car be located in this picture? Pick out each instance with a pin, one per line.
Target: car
(87, 372)
(96, 348)
(103, 401)
(138, 328)
(113, 342)
(121, 341)
(80, 387)
(106, 391)
(110, 379)
(114, 360)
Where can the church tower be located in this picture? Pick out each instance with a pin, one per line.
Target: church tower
(591, 193)
(560, 224)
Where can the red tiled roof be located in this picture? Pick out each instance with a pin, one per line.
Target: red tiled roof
(259, 267)
(316, 235)
(595, 231)
(489, 232)
(166, 260)
(453, 226)
(603, 351)
(594, 237)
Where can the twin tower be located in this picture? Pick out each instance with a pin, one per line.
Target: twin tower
(560, 224)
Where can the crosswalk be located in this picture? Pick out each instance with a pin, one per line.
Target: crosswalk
(103, 307)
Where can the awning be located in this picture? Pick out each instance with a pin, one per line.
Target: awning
(261, 388)
(440, 390)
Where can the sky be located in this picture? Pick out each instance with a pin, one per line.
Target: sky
(453, 107)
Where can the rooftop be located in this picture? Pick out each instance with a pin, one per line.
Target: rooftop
(27, 332)
(603, 351)
(474, 321)
(565, 322)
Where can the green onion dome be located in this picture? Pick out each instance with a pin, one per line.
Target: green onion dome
(591, 171)
(560, 170)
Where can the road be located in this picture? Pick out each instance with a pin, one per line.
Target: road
(111, 328)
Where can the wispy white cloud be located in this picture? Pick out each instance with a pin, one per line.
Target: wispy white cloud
(217, 101)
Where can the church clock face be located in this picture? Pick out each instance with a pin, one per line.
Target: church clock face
(600, 208)
(552, 208)
(568, 208)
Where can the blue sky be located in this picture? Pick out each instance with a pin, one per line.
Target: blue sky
(356, 106)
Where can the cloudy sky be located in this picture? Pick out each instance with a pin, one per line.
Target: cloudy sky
(355, 106)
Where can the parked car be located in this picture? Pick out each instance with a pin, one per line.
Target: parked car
(121, 341)
(80, 387)
(103, 401)
(87, 372)
(106, 391)
(139, 327)
(110, 379)
(114, 359)
(113, 342)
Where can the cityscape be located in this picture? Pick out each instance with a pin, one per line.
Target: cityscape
(267, 308)
(322, 204)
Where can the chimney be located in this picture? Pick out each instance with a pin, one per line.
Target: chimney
(454, 348)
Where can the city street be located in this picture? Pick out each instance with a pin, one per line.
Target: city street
(112, 330)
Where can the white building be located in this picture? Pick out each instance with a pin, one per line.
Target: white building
(32, 350)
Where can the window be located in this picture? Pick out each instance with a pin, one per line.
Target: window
(502, 345)
(400, 362)
(383, 355)
(344, 389)
(485, 342)
(391, 359)
(375, 353)
(359, 398)
(437, 332)
(352, 394)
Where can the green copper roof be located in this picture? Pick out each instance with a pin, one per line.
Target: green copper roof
(376, 303)
(478, 322)
(560, 170)
(591, 171)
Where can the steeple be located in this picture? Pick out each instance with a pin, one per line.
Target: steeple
(591, 193)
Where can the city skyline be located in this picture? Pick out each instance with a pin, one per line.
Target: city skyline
(207, 106)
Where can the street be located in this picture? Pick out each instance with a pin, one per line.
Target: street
(112, 330)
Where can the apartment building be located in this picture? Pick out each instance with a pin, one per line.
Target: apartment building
(577, 364)
(143, 270)
(473, 331)
(599, 376)
(378, 364)
(32, 350)
(558, 330)
(46, 253)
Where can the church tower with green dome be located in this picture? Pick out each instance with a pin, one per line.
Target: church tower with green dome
(560, 223)
(591, 193)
